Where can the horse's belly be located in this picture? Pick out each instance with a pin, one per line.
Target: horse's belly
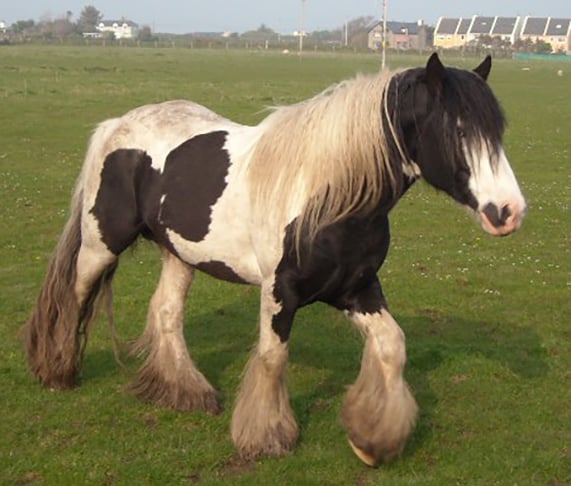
(225, 255)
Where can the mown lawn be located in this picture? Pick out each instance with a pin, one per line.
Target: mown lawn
(487, 320)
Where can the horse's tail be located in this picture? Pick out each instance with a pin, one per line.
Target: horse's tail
(56, 332)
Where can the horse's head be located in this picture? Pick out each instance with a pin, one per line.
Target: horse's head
(453, 127)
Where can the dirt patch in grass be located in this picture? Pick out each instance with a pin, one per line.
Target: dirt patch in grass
(236, 466)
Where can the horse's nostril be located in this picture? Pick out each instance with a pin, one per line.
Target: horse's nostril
(505, 214)
(496, 217)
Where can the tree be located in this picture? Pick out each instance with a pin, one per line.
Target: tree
(145, 34)
(63, 26)
(328, 36)
(263, 28)
(358, 30)
(23, 26)
(485, 41)
(262, 34)
(523, 45)
(542, 47)
(88, 19)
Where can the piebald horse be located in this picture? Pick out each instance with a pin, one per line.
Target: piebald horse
(297, 205)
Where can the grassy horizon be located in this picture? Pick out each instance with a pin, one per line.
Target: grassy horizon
(487, 320)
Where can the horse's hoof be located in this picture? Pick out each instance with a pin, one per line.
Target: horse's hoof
(368, 459)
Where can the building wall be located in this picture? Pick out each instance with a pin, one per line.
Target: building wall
(397, 40)
(121, 30)
(558, 43)
(449, 41)
(375, 39)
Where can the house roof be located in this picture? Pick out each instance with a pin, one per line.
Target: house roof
(482, 25)
(447, 25)
(110, 23)
(505, 25)
(411, 28)
(535, 26)
(464, 26)
(558, 27)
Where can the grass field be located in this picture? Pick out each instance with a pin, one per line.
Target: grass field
(487, 320)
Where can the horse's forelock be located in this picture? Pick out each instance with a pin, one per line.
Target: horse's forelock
(474, 114)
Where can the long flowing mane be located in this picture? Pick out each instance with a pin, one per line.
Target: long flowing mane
(328, 156)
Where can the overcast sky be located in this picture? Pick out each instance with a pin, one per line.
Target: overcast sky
(180, 16)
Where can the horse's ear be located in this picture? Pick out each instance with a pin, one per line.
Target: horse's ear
(435, 72)
(483, 70)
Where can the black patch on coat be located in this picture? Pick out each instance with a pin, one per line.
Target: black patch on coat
(220, 270)
(116, 205)
(192, 181)
(339, 267)
(128, 202)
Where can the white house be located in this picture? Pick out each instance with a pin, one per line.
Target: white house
(2, 27)
(123, 29)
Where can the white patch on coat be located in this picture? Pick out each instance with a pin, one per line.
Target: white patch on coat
(496, 184)
(269, 307)
(160, 214)
(228, 238)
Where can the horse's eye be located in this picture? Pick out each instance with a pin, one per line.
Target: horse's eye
(461, 133)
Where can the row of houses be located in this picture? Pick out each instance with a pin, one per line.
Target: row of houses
(453, 33)
(459, 32)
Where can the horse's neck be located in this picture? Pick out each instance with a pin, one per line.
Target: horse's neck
(391, 198)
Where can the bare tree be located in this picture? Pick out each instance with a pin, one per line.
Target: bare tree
(358, 30)
(89, 18)
(145, 34)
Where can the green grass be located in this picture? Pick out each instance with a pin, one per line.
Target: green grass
(487, 320)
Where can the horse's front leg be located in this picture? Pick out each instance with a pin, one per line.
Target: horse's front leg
(263, 422)
(379, 411)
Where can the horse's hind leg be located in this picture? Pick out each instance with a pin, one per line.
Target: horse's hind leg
(168, 377)
(379, 410)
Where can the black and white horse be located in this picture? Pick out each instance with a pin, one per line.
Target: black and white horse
(298, 205)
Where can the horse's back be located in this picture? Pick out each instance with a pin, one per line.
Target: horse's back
(159, 128)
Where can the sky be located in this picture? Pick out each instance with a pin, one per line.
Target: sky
(283, 16)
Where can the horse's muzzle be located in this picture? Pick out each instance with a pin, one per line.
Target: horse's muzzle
(502, 220)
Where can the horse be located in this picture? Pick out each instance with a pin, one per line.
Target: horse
(297, 205)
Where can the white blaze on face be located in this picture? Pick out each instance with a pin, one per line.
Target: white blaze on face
(501, 205)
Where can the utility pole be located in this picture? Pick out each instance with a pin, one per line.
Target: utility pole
(384, 44)
(302, 27)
